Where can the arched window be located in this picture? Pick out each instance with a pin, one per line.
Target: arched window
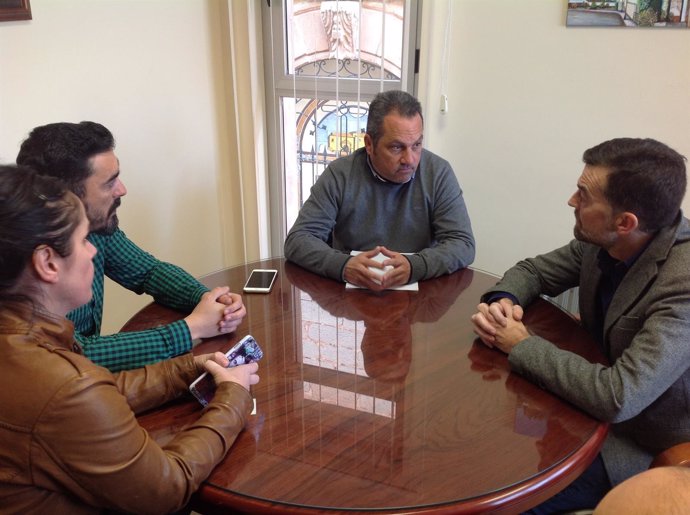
(325, 60)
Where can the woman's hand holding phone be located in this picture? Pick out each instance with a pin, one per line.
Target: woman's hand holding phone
(246, 375)
(221, 367)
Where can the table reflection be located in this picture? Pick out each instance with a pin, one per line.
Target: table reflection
(374, 328)
(355, 353)
(385, 401)
(537, 413)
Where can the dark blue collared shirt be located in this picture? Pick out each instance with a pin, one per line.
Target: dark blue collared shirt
(612, 274)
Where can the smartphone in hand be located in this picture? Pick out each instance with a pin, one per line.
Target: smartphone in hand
(244, 351)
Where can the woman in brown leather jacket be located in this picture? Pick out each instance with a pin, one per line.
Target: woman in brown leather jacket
(69, 439)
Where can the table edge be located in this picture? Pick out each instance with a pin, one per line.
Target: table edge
(512, 499)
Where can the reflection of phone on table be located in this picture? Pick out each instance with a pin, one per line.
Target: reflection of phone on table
(260, 281)
(244, 351)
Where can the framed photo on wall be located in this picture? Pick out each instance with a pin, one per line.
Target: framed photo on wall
(14, 10)
(628, 13)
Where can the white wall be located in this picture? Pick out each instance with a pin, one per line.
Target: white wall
(527, 96)
(148, 70)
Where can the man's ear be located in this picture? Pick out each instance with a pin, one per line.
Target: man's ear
(626, 222)
(368, 143)
(45, 265)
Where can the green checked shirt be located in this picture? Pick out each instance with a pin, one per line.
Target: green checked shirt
(138, 271)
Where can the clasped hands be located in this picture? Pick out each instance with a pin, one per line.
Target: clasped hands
(358, 270)
(218, 312)
(499, 324)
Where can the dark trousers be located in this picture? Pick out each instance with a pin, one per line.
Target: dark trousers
(583, 493)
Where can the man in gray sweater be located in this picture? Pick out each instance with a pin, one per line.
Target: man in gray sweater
(391, 199)
(631, 260)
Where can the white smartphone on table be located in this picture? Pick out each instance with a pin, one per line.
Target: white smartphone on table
(260, 281)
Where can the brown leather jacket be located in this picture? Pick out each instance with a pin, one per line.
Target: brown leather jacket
(69, 439)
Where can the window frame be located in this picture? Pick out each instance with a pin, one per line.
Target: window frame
(279, 83)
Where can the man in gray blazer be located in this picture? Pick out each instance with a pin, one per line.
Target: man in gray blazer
(631, 259)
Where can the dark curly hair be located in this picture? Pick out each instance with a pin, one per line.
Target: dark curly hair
(646, 178)
(63, 150)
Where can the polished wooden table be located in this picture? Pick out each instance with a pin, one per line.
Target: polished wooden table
(386, 403)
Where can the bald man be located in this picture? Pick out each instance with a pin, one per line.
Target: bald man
(659, 490)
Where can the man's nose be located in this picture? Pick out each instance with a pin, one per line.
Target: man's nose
(92, 249)
(572, 201)
(120, 190)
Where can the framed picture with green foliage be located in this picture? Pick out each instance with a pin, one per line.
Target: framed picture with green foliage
(628, 13)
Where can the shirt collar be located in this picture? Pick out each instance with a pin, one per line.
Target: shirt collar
(607, 262)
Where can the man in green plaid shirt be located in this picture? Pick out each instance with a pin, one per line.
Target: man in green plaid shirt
(82, 155)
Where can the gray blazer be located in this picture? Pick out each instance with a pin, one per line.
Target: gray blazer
(645, 393)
